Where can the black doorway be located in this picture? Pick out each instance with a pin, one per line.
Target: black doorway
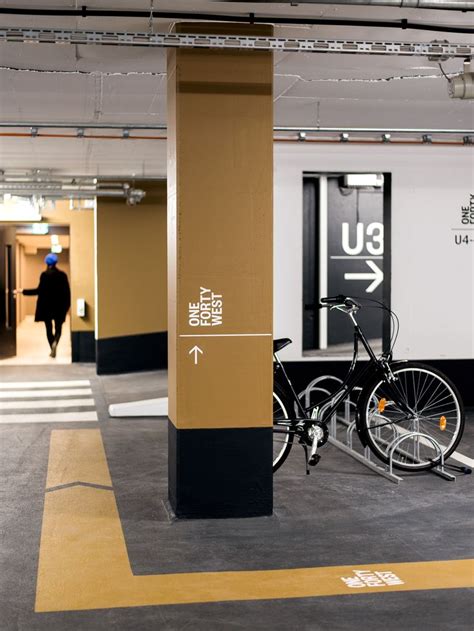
(346, 250)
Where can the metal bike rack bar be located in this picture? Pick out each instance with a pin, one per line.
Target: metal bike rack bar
(439, 470)
(366, 458)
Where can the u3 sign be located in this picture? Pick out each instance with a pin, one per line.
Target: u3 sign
(355, 255)
(370, 239)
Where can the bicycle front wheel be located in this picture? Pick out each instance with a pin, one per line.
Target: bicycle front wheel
(413, 419)
(283, 433)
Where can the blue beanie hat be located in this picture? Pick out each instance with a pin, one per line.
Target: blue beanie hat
(51, 259)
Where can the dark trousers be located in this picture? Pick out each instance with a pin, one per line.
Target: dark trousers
(56, 336)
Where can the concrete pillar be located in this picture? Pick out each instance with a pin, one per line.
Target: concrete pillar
(220, 271)
(131, 282)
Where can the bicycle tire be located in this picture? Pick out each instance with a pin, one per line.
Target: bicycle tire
(436, 410)
(282, 434)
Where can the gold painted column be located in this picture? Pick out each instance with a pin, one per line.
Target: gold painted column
(220, 273)
(131, 282)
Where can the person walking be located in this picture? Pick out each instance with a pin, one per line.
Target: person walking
(54, 300)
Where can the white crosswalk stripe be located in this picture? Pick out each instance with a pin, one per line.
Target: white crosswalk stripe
(47, 402)
(26, 385)
(54, 417)
(38, 394)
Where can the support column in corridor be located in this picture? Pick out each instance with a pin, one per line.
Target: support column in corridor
(131, 282)
(220, 271)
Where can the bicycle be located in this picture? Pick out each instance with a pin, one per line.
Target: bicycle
(404, 409)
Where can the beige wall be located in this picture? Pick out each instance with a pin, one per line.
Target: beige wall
(81, 253)
(131, 264)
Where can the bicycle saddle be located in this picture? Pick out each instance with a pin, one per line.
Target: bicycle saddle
(281, 343)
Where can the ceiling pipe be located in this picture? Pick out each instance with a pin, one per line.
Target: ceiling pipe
(448, 5)
(372, 130)
(278, 128)
(244, 18)
(61, 193)
(54, 190)
(467, 140)
(83, 126)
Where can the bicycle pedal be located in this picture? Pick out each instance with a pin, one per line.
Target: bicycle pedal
(313, 461)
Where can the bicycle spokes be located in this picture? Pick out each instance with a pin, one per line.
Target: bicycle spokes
(419, 407)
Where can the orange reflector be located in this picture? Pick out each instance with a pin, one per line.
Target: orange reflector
(381, 405)
(442, 423)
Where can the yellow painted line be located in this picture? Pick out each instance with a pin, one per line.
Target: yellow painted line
(84, 564)
(77, 456)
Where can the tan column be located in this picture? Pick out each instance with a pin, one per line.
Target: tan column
(220, 270)
(131, 282)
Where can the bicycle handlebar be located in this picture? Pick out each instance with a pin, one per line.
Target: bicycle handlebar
(340, 300)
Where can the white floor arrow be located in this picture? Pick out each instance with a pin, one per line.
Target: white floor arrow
(376, 276)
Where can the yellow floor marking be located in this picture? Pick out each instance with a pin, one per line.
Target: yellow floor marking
(77, 456)
(84, 563)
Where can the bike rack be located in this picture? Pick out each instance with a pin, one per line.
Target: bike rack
(367, 458)
(395, 446)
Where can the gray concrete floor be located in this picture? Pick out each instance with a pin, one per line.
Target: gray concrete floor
(340, 514)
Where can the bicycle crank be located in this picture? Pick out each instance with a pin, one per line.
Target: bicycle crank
(318, 433)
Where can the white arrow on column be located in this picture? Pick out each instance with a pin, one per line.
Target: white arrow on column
(195, 350)
(376, 276)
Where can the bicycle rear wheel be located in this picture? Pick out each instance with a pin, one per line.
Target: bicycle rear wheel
(283, 432)
(420, 400)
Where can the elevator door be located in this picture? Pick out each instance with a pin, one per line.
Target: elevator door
(7, 293)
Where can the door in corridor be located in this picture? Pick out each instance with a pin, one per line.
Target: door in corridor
(7, 292)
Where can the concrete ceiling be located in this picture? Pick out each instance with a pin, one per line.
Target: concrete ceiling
(50, 83)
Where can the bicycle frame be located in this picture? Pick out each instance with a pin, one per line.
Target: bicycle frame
(378, 379)
(329, 405)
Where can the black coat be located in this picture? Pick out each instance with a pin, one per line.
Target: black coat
(54, 296)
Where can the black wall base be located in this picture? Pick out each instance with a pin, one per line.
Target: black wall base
(83, 346)
(220, 472)
(460, 371)
(131, 353)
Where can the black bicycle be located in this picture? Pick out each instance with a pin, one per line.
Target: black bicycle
(407, 413)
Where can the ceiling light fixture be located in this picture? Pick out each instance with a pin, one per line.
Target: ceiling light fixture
(19, 208)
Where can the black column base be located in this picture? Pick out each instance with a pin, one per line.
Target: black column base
(220, 472)
(131, 353)
(83, 346)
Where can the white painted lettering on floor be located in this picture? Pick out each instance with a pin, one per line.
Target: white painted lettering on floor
(367, 578)
(47, 402)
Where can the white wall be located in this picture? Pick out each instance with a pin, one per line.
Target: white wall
(432, 278)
